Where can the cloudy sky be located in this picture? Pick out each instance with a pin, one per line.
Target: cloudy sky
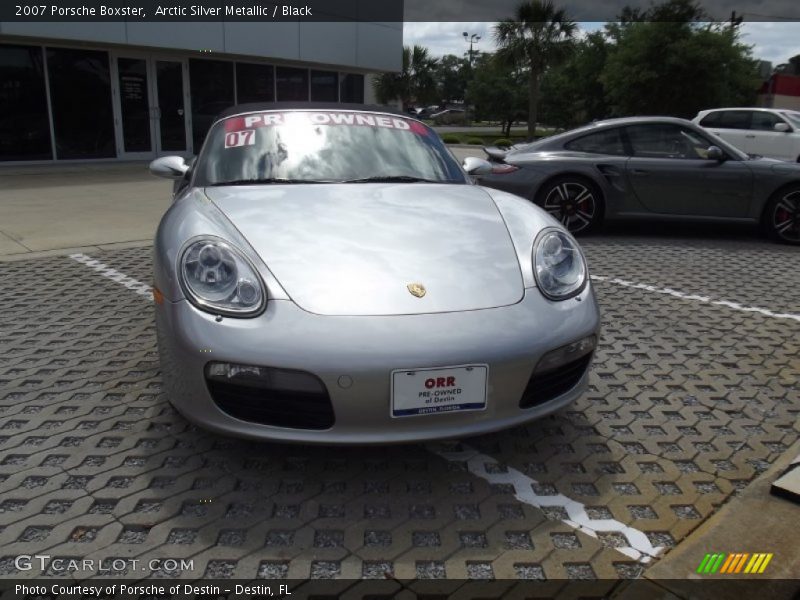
(772, 41)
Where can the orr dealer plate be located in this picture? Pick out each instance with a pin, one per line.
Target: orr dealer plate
(446, 389)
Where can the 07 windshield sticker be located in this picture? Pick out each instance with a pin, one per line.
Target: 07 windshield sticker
(239, 131)
(237, 139)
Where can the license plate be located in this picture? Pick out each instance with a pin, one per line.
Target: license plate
(431, 391)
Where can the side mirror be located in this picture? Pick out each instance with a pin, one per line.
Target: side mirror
(171, 167)
(782, 127)
(715, 153)
(477, 166)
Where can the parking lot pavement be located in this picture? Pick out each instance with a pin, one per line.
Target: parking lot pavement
(693, 393)
(55, 207)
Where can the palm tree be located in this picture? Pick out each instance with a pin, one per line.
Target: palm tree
(414, 83)
(539, 36)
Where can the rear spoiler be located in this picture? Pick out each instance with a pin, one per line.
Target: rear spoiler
(495, 154)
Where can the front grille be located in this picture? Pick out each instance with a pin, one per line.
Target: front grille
(543, 387)
(279, 408)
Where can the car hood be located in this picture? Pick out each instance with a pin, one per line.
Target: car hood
(353, 249)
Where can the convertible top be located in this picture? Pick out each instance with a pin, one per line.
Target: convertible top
(266, 106)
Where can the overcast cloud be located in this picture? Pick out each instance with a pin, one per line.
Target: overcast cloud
(591, 10)
(772, 41)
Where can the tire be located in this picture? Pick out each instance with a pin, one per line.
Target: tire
(781, 220)
(573, 201)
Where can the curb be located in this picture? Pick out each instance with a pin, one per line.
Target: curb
(788, 484)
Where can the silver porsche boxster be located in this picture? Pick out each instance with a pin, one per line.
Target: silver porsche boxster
(329, 273)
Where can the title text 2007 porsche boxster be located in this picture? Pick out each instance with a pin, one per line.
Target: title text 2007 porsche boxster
(331, 274)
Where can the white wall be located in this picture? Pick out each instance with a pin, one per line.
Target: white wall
(368, 46)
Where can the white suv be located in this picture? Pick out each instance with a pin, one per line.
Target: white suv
(771, 132)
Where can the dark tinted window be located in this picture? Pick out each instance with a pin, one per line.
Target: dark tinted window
(764, 121)
(602, 142)
(255, 83)
(24, 126)
(351, 87)
(734, 119)
(211, 85)
(292, 84)
(711, 120)
(664, 140)
(80, 92)
(324, 86)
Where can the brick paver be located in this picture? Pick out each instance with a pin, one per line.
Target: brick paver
(688, 402)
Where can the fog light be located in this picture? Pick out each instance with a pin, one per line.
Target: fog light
(267, 378)
(566, 354)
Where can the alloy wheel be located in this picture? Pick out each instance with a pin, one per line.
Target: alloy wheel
(573, 204)
(786, 217)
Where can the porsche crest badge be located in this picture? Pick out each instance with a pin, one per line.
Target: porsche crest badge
(416, 289)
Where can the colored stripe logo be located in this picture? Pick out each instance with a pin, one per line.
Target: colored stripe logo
(734, 563)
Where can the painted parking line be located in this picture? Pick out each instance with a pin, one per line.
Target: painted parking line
(145, 290)
(697, 298)
(639, 547)
(129, 282)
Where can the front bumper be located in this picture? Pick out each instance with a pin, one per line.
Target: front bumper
(364, 351)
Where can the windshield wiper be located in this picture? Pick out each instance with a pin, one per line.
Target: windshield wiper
(392, 179)
(257, 181)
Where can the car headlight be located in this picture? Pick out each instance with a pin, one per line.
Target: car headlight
(558, 265)
(217, 278)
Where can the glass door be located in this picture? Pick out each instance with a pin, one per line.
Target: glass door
(134, 116)
(150, 107)
(171, 113)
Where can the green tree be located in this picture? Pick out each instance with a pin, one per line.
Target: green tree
(414, 83)
(537, 37)
(572, 93)
(452, 76)
(676, 65)
(497, 91)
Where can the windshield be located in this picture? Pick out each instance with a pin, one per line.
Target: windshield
(794, 117)
(323, 146)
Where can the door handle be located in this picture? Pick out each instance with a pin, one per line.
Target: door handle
(750, 136)
(640, 172)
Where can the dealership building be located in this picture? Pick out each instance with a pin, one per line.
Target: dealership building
(136, 90)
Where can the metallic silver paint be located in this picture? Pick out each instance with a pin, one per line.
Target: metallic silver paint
(366, 349)
(470, 246)
(351, 249)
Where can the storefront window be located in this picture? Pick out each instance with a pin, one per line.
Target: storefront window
(24, 126)
(324, 86)
(351, 88)
(254, 83)
(292, 84)
(80, 94)
(211, 84)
